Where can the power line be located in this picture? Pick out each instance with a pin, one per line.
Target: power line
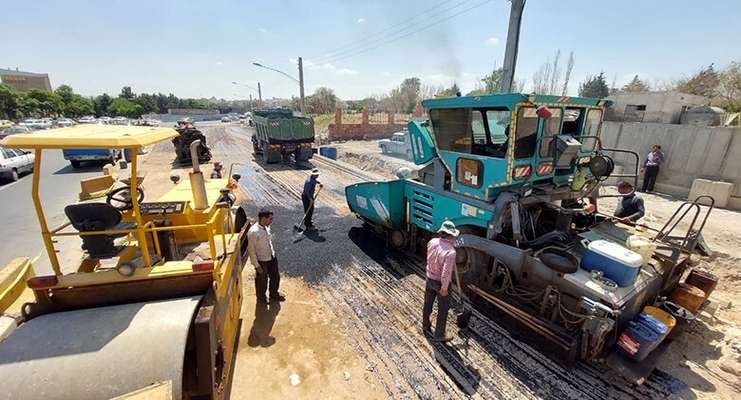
(433, 24)
(390, 31)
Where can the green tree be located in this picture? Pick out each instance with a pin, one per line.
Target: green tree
(126, 108)
(79, 107)
(147, 101)
(127, 93)
(636, 85)
(10, 102)
(594, 86)
(43, 103)
(65, 93)
(102, 103)
(323, 101)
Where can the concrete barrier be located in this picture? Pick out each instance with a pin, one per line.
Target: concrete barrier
(692, 152)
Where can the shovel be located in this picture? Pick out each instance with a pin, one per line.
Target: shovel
(462, 313)
(297, 227)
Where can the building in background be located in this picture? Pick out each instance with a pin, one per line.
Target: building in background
(661, 107)
(21, 80)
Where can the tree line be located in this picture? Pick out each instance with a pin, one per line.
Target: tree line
(63, 101)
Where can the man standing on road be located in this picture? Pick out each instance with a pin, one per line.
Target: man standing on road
(630, 207)
(307, 197)
(650, 168)
(262, 255)
(440, 265)
(216, 173)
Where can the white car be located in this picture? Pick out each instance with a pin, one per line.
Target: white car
(64, 122)
(13, 130)
(105, 120)
(87, 120)
(14, 162)
(120, 121)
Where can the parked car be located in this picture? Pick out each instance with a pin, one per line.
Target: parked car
(226, 119)
(13, 130)
(398, 145)
(46, 123)
(34, 124)
(87, 120)
(105, 120)
(77, 156)
(120, 121)
(64, 122)
(14, 162)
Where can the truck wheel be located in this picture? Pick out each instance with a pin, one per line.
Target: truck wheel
(383, 150)
(471, 263)
(14, 175)
(75, 164)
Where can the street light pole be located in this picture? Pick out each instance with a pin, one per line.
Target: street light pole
(259, 94)
(301, 85)
(300, 81)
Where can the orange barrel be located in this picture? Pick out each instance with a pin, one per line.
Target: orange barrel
(688, 296)
(702, 280)
(662, 316)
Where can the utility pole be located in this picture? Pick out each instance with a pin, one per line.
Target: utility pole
(259, 94)
(301, 85)
(250, 101)
(513, 41)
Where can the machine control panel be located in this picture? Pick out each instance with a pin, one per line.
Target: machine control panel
(162, 207)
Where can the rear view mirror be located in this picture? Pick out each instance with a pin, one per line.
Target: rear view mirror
(543, 112)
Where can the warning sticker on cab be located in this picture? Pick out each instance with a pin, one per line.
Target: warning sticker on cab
(468, 211)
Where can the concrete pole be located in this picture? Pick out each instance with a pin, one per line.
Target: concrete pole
(250, 101)
(259, 94)
(301, 85)
(513, 40)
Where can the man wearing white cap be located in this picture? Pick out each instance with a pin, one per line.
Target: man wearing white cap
(440, 265)
(307, 197)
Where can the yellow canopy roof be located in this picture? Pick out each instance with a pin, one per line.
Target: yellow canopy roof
(90, 136)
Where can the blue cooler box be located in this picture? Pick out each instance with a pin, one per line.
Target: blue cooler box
(615, 261)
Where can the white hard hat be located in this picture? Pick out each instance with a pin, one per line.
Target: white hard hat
(315, 171)
(448, 227)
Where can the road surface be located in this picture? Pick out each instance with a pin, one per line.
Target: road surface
(20, 229)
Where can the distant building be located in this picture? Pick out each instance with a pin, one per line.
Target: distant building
(21, 80)
(192, 111)
(662, 107)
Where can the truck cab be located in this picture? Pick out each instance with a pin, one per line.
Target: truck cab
(398, 145)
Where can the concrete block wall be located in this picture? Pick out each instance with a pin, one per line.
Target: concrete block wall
(692, 152)
(364, 130)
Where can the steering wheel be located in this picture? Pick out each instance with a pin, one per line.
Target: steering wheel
(120, 198)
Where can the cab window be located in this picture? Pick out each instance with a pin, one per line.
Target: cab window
(452, 128)
(572, 119)
(591, 128)
(527, 132)
(551, 128)
(477, 128)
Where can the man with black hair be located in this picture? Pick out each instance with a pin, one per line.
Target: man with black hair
(262, 255)
(630, 208)
(651, 166)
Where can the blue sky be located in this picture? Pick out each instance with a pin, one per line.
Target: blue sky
(196, 49)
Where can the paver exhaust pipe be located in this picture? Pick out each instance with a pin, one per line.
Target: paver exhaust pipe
(197, 182)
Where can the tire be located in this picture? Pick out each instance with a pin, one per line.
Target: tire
(383, 150)
(14, 175)
(75, 164)
(471, 263)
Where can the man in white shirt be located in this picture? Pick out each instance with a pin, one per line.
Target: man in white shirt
(262, 255)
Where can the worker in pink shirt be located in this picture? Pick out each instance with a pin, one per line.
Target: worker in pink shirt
(440, 264)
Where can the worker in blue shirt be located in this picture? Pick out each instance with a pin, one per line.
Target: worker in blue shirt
(630, 208)
(307, 197)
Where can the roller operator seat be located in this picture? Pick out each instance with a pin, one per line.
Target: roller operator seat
(88, 217)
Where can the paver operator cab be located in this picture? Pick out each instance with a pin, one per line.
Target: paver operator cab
(155, 299)
(499, 167)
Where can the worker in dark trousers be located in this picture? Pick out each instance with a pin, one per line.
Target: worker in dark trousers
(307, 197)
(440, 265)
(630, 208)
(650, 168)
(262, 255)
(216, 173)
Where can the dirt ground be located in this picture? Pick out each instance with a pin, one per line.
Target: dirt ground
(708, 356)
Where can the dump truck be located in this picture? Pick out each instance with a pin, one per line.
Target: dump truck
(510, 170)
(152, 307)
(279, 134)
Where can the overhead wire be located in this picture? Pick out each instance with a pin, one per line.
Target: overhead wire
(365, 49)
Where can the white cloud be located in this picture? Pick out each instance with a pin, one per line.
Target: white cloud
(347, 71)
(263, 30)
(361, 20)
(492, 41)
